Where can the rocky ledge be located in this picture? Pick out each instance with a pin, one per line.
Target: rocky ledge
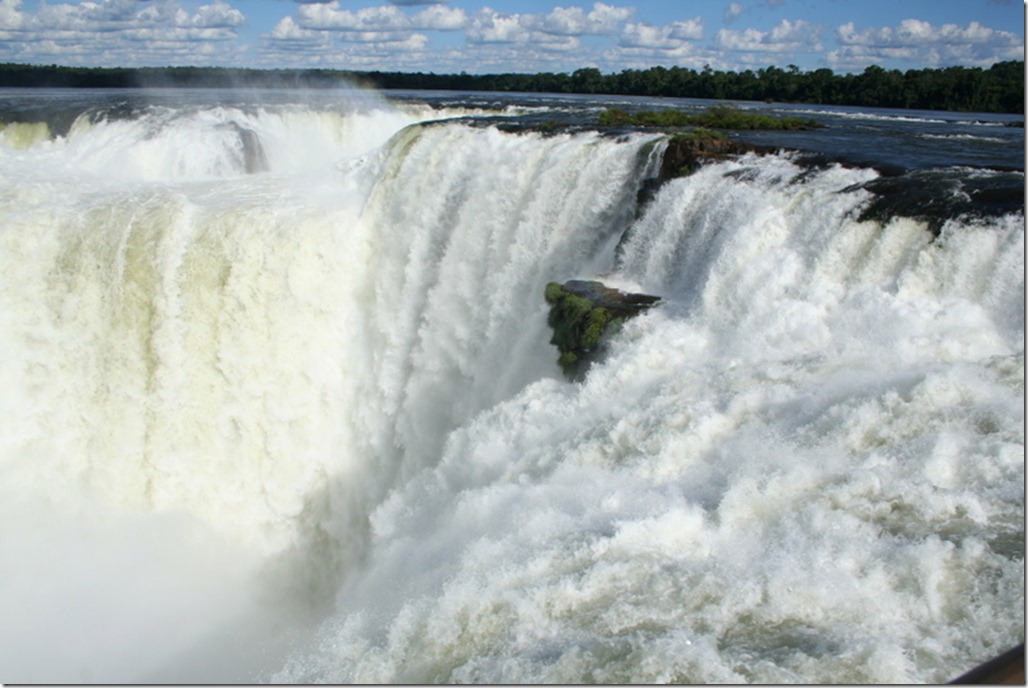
(684, 154)
(583, 316)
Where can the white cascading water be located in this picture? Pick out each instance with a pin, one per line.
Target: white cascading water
(305, 425)
(806, 465)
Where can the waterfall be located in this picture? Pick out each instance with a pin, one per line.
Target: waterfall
(282, 376)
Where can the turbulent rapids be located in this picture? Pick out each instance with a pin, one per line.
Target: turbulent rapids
(280, 405)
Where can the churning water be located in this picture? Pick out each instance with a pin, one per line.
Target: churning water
(279, 405)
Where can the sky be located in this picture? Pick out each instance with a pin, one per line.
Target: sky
(493, 36)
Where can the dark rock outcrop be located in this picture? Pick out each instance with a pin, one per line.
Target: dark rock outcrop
(583, 316)
(684, 154)
(251, 151)
(935, 196)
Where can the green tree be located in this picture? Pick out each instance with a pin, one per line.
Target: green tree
(586, 80)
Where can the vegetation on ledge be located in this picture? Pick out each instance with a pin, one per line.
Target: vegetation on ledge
(583, 316)
(720, 116)
(699, 134)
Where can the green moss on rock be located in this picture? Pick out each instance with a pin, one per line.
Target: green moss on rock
(595, 325)
(554, 292)
(568, 360)
(583, 316)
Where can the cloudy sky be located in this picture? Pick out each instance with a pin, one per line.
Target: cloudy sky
(483, 36)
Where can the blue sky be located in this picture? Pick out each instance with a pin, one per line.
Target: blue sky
(483, 36)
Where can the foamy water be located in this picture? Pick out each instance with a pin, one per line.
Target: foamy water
(299, 420)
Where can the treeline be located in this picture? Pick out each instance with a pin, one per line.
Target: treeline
(55, 76)
(999, 88)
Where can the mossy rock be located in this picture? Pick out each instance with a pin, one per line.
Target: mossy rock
(583, 316)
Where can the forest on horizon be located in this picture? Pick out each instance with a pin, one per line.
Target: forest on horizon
(1000, 88)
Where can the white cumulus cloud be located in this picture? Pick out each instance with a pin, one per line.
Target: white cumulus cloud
(330, 16)
(732, 12)
(559, 28)
(668, 37)
(217, 14)
(785, 37)
(288, 30)
(323, 28)
(11, 17)
(440, 18)
(915, 32)
(490, 26)
(921, 41)
(574, 21)
(120, 32)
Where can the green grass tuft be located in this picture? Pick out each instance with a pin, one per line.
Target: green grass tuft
(720, 116)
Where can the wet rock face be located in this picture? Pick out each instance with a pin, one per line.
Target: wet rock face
(935, 196)
(685, 154)
(584, 315)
